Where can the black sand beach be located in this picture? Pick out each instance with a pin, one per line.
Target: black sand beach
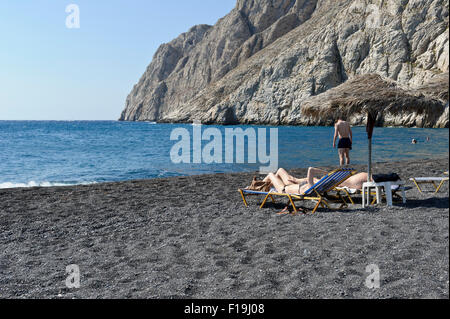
(193, 238)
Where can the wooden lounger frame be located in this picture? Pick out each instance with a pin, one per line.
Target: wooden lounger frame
(436, 187)
(322, 198)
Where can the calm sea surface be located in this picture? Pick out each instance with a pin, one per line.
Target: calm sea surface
(41, 153)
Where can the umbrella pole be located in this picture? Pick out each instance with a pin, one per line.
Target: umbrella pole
(369, 174)
(369, 177)
(371, 120)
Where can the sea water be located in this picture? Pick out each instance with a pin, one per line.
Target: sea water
(58, 153)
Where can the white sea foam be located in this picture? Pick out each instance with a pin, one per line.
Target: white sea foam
(40, 184)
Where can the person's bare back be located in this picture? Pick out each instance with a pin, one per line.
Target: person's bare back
(343, 130)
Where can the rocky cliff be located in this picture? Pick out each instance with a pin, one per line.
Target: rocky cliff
(277, 61)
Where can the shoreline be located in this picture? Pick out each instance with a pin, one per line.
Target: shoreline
(359, 167)
(192, 237)
(222, 124)
(270, 124)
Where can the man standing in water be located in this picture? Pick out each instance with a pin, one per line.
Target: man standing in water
(344, 131)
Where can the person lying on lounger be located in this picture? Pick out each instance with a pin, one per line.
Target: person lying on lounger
(286, 183)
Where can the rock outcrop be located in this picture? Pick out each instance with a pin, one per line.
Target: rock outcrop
(274, 61)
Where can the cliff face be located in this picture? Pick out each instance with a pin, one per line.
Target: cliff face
(269, 61)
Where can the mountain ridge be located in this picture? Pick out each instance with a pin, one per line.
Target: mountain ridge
(267, 59)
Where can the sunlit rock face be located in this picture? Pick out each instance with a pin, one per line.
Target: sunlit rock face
(269, 61)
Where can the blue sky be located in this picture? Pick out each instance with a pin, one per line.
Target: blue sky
(50, 72)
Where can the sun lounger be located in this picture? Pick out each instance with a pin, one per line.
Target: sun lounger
(429, 180)
(319, 192)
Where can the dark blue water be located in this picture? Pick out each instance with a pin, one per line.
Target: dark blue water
(40, 153)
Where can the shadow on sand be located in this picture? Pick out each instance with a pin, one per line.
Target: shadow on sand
(435, 202)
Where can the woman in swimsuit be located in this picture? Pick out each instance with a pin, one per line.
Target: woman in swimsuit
(286, 183)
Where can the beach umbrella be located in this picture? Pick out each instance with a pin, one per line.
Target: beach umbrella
(372, 95)
(371, 118)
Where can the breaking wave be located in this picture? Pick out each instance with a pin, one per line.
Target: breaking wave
(5, 185)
